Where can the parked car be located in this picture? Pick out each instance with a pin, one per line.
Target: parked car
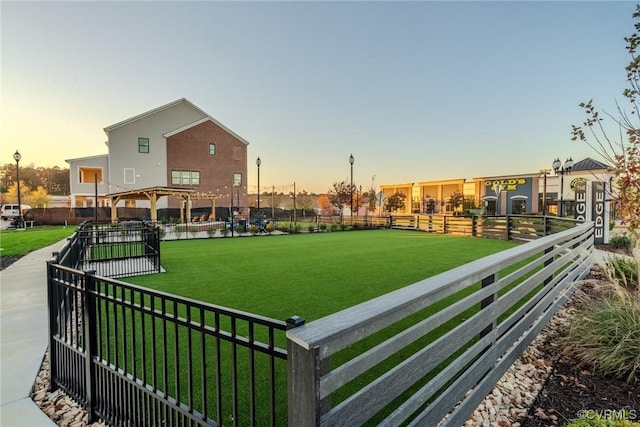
(10, 212)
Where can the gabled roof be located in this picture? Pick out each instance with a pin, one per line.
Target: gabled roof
(206, 119)
(588, 164)
(154, 111)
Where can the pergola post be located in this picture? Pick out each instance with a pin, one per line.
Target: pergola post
(114, 209)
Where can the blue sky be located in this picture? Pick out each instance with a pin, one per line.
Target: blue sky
(417, 91)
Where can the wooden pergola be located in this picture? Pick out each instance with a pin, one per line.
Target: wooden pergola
(152, 194)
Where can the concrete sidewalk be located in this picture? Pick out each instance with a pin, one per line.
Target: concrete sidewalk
(23, 337)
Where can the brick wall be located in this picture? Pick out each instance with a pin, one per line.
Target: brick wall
(189, 150)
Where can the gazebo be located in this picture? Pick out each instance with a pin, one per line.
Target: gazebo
(152, 194)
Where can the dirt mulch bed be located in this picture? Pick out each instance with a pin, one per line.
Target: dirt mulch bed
(6, 261)
(572, 389)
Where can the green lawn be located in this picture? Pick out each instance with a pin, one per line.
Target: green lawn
(309, 275)
(21, 242)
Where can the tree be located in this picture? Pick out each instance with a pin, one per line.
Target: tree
(12, 193)
(304, 201)
(429, 205)
(371, 199)
(324, 203)
(623, 151)
(340, 195)
(54, 180)
(395, 201)
(38, 198)
(456, 199)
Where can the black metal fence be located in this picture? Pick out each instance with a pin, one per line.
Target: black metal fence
(132, 356)
(114, 249)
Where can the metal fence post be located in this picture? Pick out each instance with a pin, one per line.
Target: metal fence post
(53, 316)
(488, 281)
(89, 333)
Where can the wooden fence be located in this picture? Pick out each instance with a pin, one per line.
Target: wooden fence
(430, 352)
(521, 228)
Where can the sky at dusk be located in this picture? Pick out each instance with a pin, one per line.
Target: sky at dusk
(416, 91)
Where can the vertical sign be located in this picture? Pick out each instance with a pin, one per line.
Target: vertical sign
(597, 213)
(580, 189)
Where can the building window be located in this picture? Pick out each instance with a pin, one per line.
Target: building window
(237, 179)
(143, 145)
(129, 176)
(237, 153)
(185, 178)
(212, 149)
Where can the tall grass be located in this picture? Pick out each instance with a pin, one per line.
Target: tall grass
(605, 332)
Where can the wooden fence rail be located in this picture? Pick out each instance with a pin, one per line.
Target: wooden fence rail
(433, 350)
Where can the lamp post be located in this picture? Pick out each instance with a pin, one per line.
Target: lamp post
(562, 170)
(17, 156)
(351, 160)
(544, 173)
(258, 163)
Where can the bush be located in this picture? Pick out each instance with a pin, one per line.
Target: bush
(323, 227)
(605, 335)
(622, 242)
(334, 227)
(211, 231)
(311, 228)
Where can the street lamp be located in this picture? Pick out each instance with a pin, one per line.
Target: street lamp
(544, 173)
(258, 163)
(351, 159)
(562, 170)
(17, 156)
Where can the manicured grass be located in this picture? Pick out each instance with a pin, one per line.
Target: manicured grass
(309, 275)
(21, 242)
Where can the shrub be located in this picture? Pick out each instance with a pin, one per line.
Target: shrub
(270, 227)
(622, 242)
(311, 228)
(211, 231)
(334, 227)
(605, 335)
(193, 229)
(253, 230)
(224, 231)
(323, 227)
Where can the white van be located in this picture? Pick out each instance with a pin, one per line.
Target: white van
(9, 212)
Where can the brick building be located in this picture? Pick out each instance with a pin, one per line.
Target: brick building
(177, 145)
